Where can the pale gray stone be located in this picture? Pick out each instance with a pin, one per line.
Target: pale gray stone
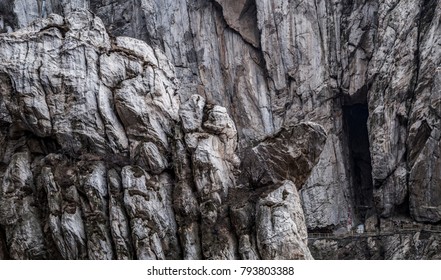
(216, 103)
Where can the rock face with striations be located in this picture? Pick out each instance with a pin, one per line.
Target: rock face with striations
(103, 160)
(167, 129)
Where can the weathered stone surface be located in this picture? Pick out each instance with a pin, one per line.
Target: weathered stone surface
(147, 200)
(424, 115)
(241, 16)
(119, 221)
(19, 215)
(291, 153)
(414, 246)
(124, 169)
(181, 89)
(212, 148)
(281, 229)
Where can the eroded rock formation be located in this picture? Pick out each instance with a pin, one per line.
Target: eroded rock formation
(165, 129)
(101, 160)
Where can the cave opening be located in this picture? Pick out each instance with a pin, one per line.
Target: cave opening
(355, 120)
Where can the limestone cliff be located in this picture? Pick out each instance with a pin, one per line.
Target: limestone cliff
(219, 129)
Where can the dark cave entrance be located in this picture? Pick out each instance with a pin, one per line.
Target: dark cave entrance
(4, 254)
(355, 120)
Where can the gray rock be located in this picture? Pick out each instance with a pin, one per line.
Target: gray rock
(241, 16)
(20, 216)
(291, 153)
(202, 96)
(147, 200)
(119, 221)
(281, 228)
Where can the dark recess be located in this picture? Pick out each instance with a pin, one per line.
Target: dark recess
(4, 254)
(355, 119)
(7, 12)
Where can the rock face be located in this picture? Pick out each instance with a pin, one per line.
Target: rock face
(131, 130)
(103, 160)
(418, 245)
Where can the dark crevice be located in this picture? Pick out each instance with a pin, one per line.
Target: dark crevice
(249, 9)
(403, 209)
(4, 254)
(355, 119)
(42, 204)
(8, 15)
(120, 25)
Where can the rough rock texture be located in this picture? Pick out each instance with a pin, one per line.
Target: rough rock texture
(419, 245)
(205, 103)
(102, 160)
(281, 207)
(395, 238)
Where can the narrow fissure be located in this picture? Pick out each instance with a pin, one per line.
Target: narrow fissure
(4, 254)
(355, 119)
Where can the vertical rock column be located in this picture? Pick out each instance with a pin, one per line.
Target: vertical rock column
(281, 228)
(19, 215)
(76, 216)
(210, 136)
(287, 159)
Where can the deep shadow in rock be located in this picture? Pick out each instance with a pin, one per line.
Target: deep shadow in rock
(355, 117)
